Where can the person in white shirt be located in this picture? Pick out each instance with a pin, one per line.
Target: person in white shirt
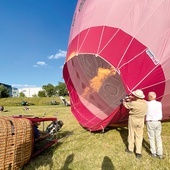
(153, 124)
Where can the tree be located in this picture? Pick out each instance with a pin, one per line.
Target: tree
(42, 93)
(21, 94)
(4, 92)
(61, 89)
(50, 90)
(34, 96)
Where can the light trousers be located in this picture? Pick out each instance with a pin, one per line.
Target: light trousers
(154, 134)
(135, 134)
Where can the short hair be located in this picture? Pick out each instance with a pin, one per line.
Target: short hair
(152, 94)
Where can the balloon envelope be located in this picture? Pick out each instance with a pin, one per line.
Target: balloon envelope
(114, 48)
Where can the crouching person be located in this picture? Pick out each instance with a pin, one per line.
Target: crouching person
(38, 134)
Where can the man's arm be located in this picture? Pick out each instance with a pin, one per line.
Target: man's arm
(128, 104)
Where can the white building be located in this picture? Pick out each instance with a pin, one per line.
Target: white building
(15, 92)
(31, 91)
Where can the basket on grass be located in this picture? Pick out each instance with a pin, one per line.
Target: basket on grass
(16, 136)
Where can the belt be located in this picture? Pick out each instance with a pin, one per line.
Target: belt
(153, 120)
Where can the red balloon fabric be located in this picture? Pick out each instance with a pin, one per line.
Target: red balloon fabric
(114, 48)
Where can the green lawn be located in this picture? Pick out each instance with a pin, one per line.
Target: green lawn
(79, 149)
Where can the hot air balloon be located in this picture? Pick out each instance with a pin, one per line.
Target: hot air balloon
(114, 48)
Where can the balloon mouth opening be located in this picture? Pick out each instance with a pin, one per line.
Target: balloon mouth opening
(96, 82)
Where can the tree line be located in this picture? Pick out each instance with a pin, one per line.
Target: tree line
(48, 90)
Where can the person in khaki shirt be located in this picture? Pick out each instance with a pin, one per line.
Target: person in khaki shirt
(137, 107)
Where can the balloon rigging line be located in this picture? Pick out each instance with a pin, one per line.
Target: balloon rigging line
(117, 30)
(130, 41)
(103, 28)
(79, 47)
(69, 79)
(86, 118)
(128, 88)
(148, 18)
(77, 84)
(138, 55)
(165, 42)
(87, 121)
(161, 96)
(86, 33)
(125, 52)
(144, 77)
(134, 37)
(158, 39)
(109, 12)
(109, 41)
(154, 84)
(114, 34)
(151, 14)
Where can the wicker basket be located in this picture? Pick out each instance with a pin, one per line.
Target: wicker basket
(16, 142)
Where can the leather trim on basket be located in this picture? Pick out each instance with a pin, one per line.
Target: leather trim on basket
(12, 127)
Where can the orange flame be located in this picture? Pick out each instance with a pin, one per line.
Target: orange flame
(97, 81)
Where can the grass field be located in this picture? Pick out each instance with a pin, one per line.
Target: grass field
(79, 149)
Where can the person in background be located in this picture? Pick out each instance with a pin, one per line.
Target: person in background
(39, 135)
(36, 130)
(137, 110)
(1, 108)
(153, 124)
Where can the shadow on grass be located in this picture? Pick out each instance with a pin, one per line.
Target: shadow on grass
(107, 164)
(146, 145)
(122, 130)
(41, 159)
(64, 134)
(124, 135)
(68, 161)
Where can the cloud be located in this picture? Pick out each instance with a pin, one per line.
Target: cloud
(60, 54)
(41, 64)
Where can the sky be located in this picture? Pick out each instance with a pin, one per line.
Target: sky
(33, 41)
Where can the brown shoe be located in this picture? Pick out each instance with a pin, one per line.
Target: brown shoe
(128, 151)
(138, 156)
